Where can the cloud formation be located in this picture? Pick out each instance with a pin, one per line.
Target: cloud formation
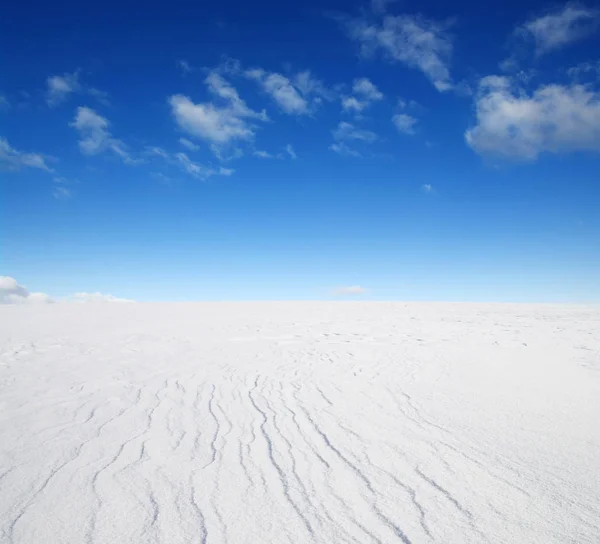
(365, 93)
(559, 28)
(217, 123)
(95, 137)
(13, 159)
(405, 123)
(412, 40)
(553, 119)
(347, 131)
(11, 292)
(60, 87)
(299, 95)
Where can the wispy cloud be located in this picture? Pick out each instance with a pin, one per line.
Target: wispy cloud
(60, 87)
(347, 131)
(263, 154)
(61, 193)
(218, 123)
(410, 39)
(343, 149)
(299, 95)
(405, 123)
(553, 119)
(427, 188)
(95, 136)
(14, 159)
(559, 28)
(290, 151)
(184, 66)
(4, 103)
(183, 162)
(365, 93)
(188, 144)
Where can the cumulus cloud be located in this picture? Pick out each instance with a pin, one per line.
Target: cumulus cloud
(350, 290)
(11, 292)
(297, 96)
(60, 87)
(263, 154)
(95, 136)
(347, 131)
(14, 159)
(365, 93)
(410, 39)
(405, 123)
(219, 124)
(553, 119)
(427, 188)
(558, 28)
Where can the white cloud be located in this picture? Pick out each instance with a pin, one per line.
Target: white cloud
(4, 103)
(367, 90)
(380, 6)
(189, 144)
(300, 95)
(282, 91)
(559, 28)
(347, 131)
(290, 151)
(13, 159)
(410, 39)
(583, 69)
(263, 154)
(218, 124)
(553, 119)
(427, 188)
(95, 136)
(343, 149)
(13, 293)
(183, 162)
(350, 290)
(405, 123)
(353, 104)
(61, 193)
(60, 87)
(367, 94)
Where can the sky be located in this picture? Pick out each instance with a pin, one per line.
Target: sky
(301, 150)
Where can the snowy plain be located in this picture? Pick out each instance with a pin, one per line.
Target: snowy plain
(307, 422)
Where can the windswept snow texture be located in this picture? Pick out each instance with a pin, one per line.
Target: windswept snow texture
(299, 423)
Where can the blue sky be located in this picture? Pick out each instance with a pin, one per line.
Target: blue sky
(386, 150)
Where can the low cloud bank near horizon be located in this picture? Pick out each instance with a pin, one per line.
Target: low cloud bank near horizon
(11, 292)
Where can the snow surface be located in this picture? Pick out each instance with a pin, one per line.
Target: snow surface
(299, 422)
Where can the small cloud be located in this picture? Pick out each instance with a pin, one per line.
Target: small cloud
(380, 6)
(95, 136)
(184, 66)
(342, 149)
(189, 144)
(61, 193)
(347, 131)
(262, 154)
(290, 151)
(13, 159)
(60, 87)
(405, 123)
(367, 90)
(13, 293)
(100, 96)
(350, 290)
(4, 103)
(427, 188)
